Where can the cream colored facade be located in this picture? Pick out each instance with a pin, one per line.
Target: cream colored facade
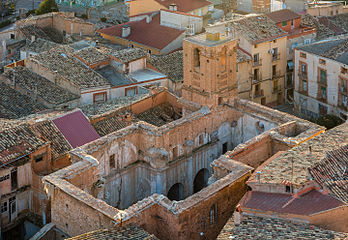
(325, 9)
(143, 6)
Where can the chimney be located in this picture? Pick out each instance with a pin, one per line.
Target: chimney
(258, 176)
(173, 7)
(32, 38)
(148, 19)
(237, 215)
(126, 30)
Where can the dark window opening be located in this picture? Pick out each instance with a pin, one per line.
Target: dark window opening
(176, 192)
(287, 189)
(201, 180)
(112, 161)
(14, 182)
(39, 158)
(224, 148)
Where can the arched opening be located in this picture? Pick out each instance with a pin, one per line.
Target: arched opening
(176, 192)
(201, 180)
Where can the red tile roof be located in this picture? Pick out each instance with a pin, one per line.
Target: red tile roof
(307, 204)
(149, 34)
(283, 15)
(18, 142)
(184, 5)
(76, 128)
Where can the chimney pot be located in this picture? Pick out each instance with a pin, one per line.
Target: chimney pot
(126, 30)
(258, 176)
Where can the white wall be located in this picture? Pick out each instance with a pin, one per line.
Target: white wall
(181, 21)
(137, 65)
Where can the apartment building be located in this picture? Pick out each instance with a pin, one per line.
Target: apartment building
(298, 35)
(321, 77)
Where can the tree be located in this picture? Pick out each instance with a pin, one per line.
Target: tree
(47, 6)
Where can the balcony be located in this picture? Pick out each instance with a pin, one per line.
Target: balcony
(258, 94)
(257, 63)
(303, 75)
(275, 57)
(277, 74)
(256, 78)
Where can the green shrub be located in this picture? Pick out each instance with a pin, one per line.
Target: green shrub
(103, 19)
(84, 16)
(47, 6)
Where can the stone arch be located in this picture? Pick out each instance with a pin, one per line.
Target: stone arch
(176, 192)
(90, 10)
(201, 180)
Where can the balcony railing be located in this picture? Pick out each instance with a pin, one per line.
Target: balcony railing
(257, 63)
(259, 94)
(275, 57)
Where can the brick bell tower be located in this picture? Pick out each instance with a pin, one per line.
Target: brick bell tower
(210, 68)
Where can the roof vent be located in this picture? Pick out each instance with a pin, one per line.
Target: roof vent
(126, 30)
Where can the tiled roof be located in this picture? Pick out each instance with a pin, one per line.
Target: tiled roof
(283, 15)
(91, 55)
(321, 30)
(340, 20)
(331, 172)
(253, 227)
(48, 131)
(40, 45)
(112, 123)
(60, 60)
(306, 204)
(149, 34)
(128, 54)
(280, 169)
(18, 142)
(159, 115)
(184, 5)
(242, 56)
(76, 128)
(334, 49)
(257, 28)
(33, 30)
(14, 104)
(170, 65)
(32, 82)
(130, 231)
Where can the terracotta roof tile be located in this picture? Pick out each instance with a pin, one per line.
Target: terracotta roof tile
(184, 5)
(283, 15)
(307, 204)
(253, 227)
(18, 142)
(149, 34)
(130, 231)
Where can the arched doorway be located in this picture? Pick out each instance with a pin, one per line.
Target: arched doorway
(201, 180)
(176, 192)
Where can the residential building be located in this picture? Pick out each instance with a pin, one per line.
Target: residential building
(298, 35)
(159, 32)
(266, 43)
(321, 78)
(194, 7)
(311, 188)
(244, 71)
(324, 8)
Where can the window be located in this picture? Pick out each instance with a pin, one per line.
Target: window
(275, 53)
(213, 214)
(201, 139)
(175, 152)
(149, 51)
(292, 23)
(343, 85)
(99, 97)
(12, 204)
(344, 100)
(331, 12)
(256, 58)
(237, 67)
(131, 46)
(304, 85)
(275, 85)
(274, 71)
(14, 182)
(4, 207)
(304, 68)
(4, 178)
(256, 74)
(38, 158)
(224, 148)
(275, 40)
(255, 45)
(322, 61)
(197, 57)
(303, 55)
(131, 91)
(323, 92)
(284, 23)
(112, 161)
(322, 109)
(307, 41)
(322, 76)
(200, 12)
(287, 189)
(12, 36)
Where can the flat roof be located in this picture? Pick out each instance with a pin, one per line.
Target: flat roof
(146, 75)
(113, 76)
